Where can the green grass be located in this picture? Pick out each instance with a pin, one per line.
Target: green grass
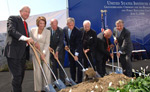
(29, 66)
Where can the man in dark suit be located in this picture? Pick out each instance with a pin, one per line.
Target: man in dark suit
(89, 39)
(57, 44)
(122, 37)
(73, 41)
(103, 51)
(16, 48)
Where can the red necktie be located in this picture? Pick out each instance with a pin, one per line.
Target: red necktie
(25, 26)
(108, 48)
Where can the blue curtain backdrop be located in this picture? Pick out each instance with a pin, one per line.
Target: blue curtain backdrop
(136, 15)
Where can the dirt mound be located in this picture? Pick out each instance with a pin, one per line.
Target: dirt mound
(100, 84)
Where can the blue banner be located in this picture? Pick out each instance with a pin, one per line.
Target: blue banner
(135, 14)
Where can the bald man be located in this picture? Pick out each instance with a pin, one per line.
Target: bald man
(103, 51)
(89, 42)
(57, 44)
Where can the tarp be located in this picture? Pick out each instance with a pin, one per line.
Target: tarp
(134, 13)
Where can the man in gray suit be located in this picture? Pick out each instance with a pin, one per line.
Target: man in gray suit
(122, 37)
(57, 44)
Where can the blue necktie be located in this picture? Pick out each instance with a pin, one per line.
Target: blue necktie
(69, 33)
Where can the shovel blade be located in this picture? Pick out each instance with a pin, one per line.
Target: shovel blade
(49, 88)
(70, 81)
(60, 85)
(118, 70)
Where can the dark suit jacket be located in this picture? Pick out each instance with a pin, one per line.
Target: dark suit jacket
(89, 39)
(57, 40)
(15, 28)
(124, 41)
(74, 42)
(101, 49)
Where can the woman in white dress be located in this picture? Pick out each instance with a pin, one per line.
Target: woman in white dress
(41, 36)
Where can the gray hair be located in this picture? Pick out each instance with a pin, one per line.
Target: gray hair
(119, 21)
(70, 20)
(86, 21)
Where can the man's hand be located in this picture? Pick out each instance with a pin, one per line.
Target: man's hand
(118, 54)
(30, 40)
(66, 48)
(87, 50)
(111, 55)
(51, 49)
(116, 41)
(76, 58)
(111, 46)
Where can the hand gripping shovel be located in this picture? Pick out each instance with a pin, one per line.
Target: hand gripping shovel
(68, 80)
(48, 87)
(118, 69)
(89, 72)
(60, 85)
(97, 75)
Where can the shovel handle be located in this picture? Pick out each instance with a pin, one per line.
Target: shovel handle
(88, 59)
(117, 52)
(38, 59)
(73, 57)
(52, 51)
(46, 63)
(68, 50)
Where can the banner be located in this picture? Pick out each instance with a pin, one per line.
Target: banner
(135, 14)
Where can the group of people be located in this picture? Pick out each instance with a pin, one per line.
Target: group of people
(80, 42)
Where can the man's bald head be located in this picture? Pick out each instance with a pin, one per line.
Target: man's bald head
(107, 33)
(54, 24)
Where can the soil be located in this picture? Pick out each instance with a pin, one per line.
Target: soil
(99, 84)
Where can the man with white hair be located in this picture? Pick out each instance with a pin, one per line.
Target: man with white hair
(17, 49)
(89, 42)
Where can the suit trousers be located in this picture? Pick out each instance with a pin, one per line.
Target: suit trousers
(73, 65)
(125, 60)
(91, 58)
(17, 69)
(101, 65)
(54, 65)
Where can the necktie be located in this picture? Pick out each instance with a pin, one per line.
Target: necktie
(69, 33)
(108, 48)
(25, 26)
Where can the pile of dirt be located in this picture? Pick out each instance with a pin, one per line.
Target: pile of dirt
(99, 84)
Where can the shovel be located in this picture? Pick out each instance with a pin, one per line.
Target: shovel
(112, 49)
(97, 75)
(118, 69)
(48, 87)
(89, 72)
(68, 80)
(60, 85)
